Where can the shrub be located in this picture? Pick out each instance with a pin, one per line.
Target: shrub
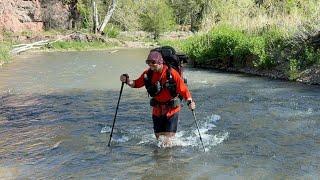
(111, 31)
(308, 57)
(293, 72)
(224, 43)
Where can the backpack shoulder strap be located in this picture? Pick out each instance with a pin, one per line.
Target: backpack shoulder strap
(149, 74)
(168, 73)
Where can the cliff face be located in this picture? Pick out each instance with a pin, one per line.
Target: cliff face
(17, 15)
(31, 15)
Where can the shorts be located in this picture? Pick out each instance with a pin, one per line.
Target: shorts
(165, 124)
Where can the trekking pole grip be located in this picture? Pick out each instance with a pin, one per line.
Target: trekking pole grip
(127, 77)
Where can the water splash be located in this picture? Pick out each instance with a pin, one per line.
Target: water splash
(183, 138)
(106, 129)
(191, 137)
(119, 137)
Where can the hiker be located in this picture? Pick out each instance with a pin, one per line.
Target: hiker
(165, 85)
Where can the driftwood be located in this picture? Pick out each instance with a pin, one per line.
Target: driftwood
(24, 47)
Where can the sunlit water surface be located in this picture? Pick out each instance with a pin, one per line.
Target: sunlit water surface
(57, 109)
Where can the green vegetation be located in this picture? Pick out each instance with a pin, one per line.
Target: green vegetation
(229, 48)
(112, 31)
(4, 53)
(157, 18)
(280, 35)
(225, 47)
(77, 45)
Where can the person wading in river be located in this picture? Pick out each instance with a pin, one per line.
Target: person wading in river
(164, 85)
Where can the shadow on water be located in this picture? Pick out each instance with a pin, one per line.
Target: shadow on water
(56, 130)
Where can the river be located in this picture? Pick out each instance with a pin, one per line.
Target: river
(57, 109)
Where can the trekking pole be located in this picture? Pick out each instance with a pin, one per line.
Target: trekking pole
(195, 119)
(114, 119)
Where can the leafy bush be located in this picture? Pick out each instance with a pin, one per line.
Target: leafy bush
(293, 72)
(112, 31)
(223, 43)
(309, 57)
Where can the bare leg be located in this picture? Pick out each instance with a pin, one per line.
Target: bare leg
(167, 137)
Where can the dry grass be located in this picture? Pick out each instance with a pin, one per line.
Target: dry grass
(246, 15)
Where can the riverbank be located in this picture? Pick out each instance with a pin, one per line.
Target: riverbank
(309, 76)
(271, 53)
(78, 41)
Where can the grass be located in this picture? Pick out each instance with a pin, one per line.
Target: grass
(5, 56)
(77, 45)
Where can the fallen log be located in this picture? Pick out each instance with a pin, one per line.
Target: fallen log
(24, 47)
(19, 48)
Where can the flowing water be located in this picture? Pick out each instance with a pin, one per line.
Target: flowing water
(56, 112)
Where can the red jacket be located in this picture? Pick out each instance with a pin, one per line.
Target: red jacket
(164, 95)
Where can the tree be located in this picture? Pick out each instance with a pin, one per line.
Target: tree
(157, 17)
(190, 12)
(111, 9)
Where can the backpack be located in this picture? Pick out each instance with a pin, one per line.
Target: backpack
(171, 58)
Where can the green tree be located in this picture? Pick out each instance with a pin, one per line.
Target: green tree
(190, 12)
(157, 17)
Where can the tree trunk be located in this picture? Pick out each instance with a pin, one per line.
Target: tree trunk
(74, 15)
(196, 18)
(112, 7)
(95, 18)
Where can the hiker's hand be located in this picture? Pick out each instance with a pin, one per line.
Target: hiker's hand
(191, 104)
(124, 78)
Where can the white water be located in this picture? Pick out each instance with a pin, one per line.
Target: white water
(183, 138)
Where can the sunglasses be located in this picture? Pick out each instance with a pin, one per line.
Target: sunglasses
(150, 62)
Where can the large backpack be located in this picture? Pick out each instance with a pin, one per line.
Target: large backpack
(171, 58)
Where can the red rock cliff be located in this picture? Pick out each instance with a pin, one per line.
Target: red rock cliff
(20, 15)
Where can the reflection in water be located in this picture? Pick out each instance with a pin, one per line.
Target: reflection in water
(56, 111)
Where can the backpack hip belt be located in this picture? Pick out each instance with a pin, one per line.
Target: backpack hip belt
(173, 103)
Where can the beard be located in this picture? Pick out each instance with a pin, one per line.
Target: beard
(156, 68)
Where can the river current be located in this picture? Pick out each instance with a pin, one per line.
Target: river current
(56, 113)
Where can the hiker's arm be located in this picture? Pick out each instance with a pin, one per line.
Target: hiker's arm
(183, 90)
(138, 83)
